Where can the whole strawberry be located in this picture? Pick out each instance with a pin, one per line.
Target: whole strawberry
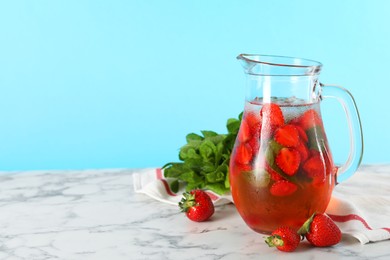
(321, 231)
(284, 239)
(197, 205)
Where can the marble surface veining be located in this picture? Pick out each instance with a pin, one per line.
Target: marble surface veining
(94, 214)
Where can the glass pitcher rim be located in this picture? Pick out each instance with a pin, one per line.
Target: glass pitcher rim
(305, 66)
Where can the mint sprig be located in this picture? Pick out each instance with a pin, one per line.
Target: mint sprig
(205, 160)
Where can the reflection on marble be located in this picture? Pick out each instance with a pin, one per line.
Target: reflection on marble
(94, 214)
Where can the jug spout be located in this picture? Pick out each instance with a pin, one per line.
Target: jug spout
(269, 65)
(270, 77)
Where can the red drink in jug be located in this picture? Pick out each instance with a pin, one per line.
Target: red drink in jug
(281, 168)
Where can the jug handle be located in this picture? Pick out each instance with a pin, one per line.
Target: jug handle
(347, 101)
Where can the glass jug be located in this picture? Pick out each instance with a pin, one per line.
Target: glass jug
(281, 167)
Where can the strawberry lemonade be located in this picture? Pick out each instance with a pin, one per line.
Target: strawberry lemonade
(281, 169)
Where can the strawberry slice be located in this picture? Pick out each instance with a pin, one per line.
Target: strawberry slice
(303, 151)
(314, 168)
(309, 119)
(302, 134)
(288, 159)
(254, 142)
(287, 135)
(274, 175)
(283, 188)
(271, 116)
(244, 153)
(254, 122)
(244, 133)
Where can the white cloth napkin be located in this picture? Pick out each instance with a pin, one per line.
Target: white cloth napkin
(349, 207)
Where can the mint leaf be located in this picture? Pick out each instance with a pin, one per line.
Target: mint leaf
(227, 182)
(316, 138)
(214, 177)
(173, 170)
(193, 137)
(207, 134)
(188, 152)
(205, 160)
(207, 149)
(190, 176)
(174, 186)
(208, 167)
(218, 188)
(233, 125)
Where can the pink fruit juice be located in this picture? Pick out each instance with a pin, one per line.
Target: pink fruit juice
(281, 169)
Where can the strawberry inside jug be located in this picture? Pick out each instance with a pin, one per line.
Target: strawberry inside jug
(281, 168)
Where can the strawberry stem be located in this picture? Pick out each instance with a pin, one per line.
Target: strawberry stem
(274, 240)
(305, 228)
(187, 202)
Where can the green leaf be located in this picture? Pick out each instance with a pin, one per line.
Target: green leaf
(228, 143)
(194, 185)
(240, 116)
(214, 177)
(208, 167)
(194, 164)
(167, 165)
(275, 146)
(316, 138)
(174, 186)
(205, 160)
(207, 149)
(223, 167)
(207, 134)
(216, 139)
(194, 144)
(218, 188)
(193, 137)
(227, 181)
(219, 153)
(270, 155)
(233, 125)
(188, 152)
(174, 170)
(191, 178)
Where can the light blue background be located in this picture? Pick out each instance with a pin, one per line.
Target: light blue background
(106, 84)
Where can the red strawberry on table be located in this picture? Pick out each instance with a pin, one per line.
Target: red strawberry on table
(284, 239)
(321, 231)
(288, 159)
(197, 205)
(287, 135)
(283, 188)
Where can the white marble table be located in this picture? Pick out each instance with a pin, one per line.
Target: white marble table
(94, 214)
